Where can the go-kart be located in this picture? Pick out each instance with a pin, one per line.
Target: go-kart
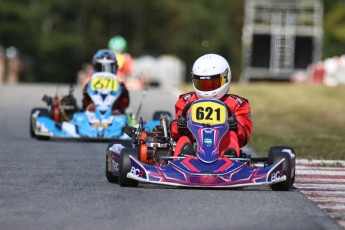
(65, 120)
(151, 158)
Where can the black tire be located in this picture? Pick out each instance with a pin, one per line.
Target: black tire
(110, 177)
(32, 132)
(43, 112)
(275, 154)
(42, 138)
(125, 167)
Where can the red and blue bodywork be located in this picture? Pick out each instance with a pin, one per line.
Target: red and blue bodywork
(207, 121)
(192, 172)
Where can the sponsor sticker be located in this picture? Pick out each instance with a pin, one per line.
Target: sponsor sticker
(208, 141)
(239, 101)
(136, 172)
(186, 97)
(275, 176)
(116, 166)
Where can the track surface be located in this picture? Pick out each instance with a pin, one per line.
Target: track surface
(61, 184)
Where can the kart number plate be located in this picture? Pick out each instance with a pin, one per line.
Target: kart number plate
(104, 83)
(208, 112)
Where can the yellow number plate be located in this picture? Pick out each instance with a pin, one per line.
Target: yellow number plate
(208, 112)
(104, 83)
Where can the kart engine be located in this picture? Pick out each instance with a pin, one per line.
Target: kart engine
(157, 144)
(154, 145)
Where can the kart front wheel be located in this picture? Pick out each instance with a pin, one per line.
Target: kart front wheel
(32, 131)
(43, 112)
(275, 154)
(125, 167)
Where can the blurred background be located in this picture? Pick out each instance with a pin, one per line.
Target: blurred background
(53, 40)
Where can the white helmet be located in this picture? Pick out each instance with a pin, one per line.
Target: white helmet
(211, 76)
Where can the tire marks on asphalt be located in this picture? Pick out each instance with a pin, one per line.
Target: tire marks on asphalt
(323, 182)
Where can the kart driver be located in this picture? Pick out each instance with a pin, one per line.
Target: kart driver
(124, 59)
(211, 76)
(105, 61)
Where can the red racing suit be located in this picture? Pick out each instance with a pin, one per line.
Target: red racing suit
(125, 66)
(239, 107)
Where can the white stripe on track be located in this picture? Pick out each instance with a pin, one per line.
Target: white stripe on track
(311, 168)
(335, 193)
(319, 172)
(338, 163)
(321, 186)
(308, 179)
(332, 207)
(331, 200)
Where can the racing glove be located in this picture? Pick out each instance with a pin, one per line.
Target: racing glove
(182, 125)
(233, 123)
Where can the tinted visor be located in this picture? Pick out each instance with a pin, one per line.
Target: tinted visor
(207, 84)
(106, 67)
(211, 82)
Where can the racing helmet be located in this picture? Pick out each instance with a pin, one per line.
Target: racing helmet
(117, 43)
(105, 61)
(211, 76)
(68, 106)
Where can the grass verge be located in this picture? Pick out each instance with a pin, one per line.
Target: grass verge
(310, 118)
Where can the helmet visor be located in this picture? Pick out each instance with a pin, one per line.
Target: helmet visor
(207, 84)
(106, 67)
(211, 82)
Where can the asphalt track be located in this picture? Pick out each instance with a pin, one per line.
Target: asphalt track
(61, 184)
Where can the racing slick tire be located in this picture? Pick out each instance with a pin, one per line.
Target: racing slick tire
(125, 167)
(275, 154)
(43, 113)
(110, 177)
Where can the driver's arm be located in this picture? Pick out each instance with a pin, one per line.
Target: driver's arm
(183, 100)
(241, 109)
(122, 102)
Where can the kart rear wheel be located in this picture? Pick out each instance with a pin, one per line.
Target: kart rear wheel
(110, 177)
(275, 154)
(125, 167)
(43, 112)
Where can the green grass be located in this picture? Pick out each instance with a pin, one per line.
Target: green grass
(310, 118)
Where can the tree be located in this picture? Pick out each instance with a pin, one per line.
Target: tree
(60, 36)
(334, 30)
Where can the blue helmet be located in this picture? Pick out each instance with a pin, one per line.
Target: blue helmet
(105, 61)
